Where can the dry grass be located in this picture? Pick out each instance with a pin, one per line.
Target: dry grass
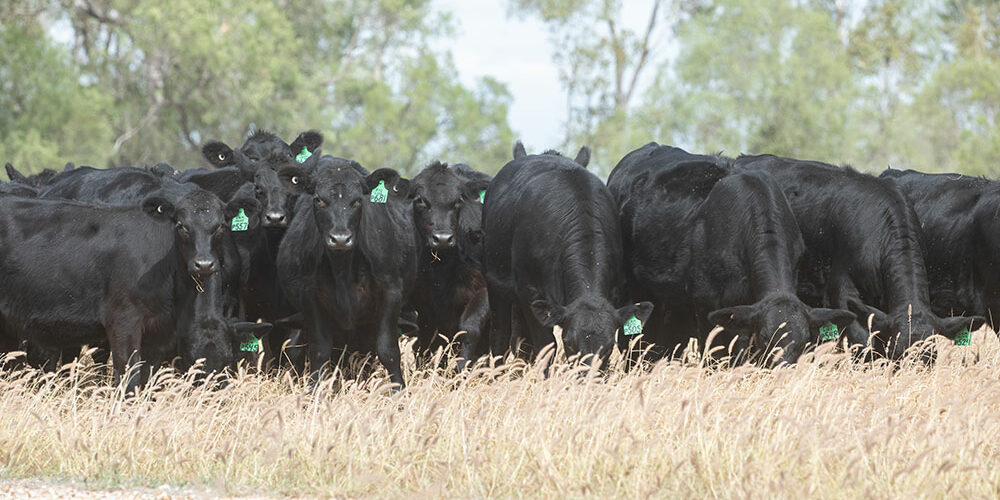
(826, 428)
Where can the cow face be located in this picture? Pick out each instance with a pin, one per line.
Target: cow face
(274, 197)
(200, 222)
(589, 324)
(780, 327)
(897, 332)
(440, 195)
(337, 187)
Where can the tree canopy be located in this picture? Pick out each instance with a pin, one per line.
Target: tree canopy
(873, 83)
(143, 81)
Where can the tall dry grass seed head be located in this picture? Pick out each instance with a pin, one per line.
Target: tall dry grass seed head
(828, 427)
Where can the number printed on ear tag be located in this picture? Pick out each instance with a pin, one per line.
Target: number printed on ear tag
(241, 222)
(633, 326)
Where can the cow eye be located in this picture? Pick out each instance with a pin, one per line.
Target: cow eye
(182, 229)
(222, 156)
(422, 203)
(295, 179)
(319, 202)
(356, 203)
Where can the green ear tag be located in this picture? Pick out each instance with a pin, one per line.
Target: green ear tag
(380, 194)
(963, 337)
(241, 222)
(633, 326)
(303, 155)
(251, 344)
(828, 332)
(482, 196)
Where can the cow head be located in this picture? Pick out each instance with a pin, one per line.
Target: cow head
(898, 331)
(440, 194)
(779, 326)
(341, 189)
(589, 323)
(200, 220)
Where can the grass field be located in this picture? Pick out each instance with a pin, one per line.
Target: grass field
(826, 428)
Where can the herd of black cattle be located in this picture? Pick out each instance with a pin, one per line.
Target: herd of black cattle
(277, 245)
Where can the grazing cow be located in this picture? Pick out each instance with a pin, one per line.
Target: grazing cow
(450, 294)
(553, 256)
(349, 259)
(958, 215)
(745, 248)
(147, 279)
(659, 190)
(864, 251)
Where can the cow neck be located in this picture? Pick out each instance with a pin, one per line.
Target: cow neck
(904, 277)
(343, 264)
(771, 263)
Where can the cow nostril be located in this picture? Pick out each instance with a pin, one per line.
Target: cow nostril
(341, 240)
(443, 239)
(204, 265)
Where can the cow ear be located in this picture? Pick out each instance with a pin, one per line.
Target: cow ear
(13, 174)
(292, 322)
(641, 310)
(950, 327)
(296, 179)
(819, 316)
(583, 157)
(69, 166)
(871, 317)
(547, 313)
(163, 170)
(735, 319)
(311, 140)
(258, 329)
(249, 205)
(475, 190)
(218, 154)
(158, 207)
(519, 151)
(397, 186)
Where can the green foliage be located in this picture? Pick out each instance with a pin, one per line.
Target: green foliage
(906, 83)
(46, 115)
(760, 76)
(163, 77)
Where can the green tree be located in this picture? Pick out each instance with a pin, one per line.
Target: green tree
(602, 64)
(159, 79)
(46, 114)
(759, 76)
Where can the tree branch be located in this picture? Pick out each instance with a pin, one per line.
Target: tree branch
(644, 55)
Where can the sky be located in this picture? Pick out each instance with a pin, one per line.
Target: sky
(517, 51)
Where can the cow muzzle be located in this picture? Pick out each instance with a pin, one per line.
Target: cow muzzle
(339, 242)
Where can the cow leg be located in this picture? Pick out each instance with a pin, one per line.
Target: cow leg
(387, 338)
(472, 322)
(500, 329)
(318, 340)
(125, 337)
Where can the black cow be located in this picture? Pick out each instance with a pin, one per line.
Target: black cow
(958, 215)
(115, 186)
(745, 248)
(554, 256)
(143, 278)
(450, 294)
(349, 259)
(864, 251)
(659, 190)
(35, 180)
